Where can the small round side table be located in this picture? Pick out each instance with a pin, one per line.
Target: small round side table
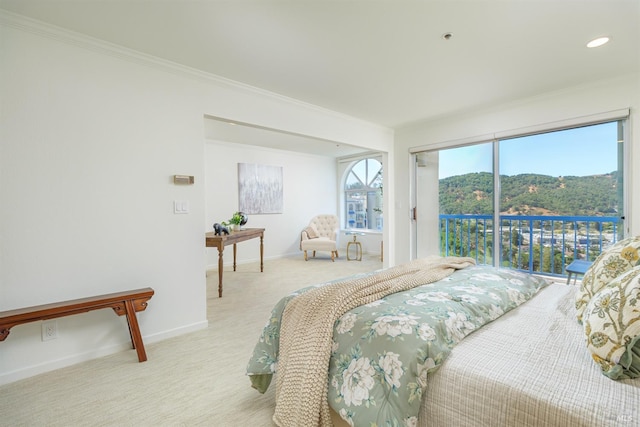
(357, 246)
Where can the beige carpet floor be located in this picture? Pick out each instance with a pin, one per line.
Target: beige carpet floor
(196, 379)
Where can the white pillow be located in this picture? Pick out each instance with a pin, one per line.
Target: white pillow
(311, 232)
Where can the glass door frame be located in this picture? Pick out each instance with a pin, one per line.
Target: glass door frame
(621, 116)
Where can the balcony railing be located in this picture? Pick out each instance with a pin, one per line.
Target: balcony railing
(537, 244)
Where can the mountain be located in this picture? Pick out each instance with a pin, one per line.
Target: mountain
(531, 194)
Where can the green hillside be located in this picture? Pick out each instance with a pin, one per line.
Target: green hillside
(531, 194)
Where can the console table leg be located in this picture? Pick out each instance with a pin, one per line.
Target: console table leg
(220, 269)
(235, 251)
(262, 253)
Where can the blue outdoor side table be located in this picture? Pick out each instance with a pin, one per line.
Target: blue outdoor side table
(577, 267)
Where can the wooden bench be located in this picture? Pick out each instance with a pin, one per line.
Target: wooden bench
(123, 303)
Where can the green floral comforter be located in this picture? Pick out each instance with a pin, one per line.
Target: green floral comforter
(383, 351)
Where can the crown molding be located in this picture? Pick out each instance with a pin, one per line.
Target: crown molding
(84, 41)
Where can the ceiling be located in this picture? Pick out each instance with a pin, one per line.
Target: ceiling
(384, 62)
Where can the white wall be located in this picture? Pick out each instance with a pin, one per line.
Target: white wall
(311, 186)
(309, 189)
(91, 136)
(571, 103)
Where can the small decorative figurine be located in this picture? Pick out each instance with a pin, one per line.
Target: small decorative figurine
(219, 229)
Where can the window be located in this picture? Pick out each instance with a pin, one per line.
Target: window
(363, 195)
(550, 198)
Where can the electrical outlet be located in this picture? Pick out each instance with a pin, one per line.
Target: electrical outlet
(49, 330)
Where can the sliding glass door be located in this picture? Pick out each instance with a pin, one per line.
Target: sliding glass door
(452, 222)
(533, 202)
(561, 196)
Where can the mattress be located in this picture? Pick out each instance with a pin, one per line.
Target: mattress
(531, 367)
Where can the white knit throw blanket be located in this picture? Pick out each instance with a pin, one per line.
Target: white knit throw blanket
(306, 334)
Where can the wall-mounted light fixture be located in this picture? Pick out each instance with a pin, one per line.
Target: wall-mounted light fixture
(183, 179)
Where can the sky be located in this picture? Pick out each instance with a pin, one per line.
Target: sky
(588, 150)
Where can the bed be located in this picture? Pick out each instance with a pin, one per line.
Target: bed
(515, 355)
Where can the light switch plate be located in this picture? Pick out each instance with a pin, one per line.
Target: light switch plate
(180, 206)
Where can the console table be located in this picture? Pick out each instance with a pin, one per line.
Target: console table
(234, 237)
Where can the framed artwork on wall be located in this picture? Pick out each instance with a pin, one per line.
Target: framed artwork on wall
(259, 188)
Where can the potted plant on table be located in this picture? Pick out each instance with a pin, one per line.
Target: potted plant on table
(237, 220)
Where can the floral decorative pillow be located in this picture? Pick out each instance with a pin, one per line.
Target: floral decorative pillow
(616, 260)
(612, 325)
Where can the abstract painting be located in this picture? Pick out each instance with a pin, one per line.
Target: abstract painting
(259, 188)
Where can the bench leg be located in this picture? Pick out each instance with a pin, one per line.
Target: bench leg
(134, 331)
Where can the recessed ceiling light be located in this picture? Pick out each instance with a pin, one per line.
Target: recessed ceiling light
(447, 36)
(598, 42)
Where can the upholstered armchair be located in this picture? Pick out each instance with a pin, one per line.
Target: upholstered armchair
(320, 235)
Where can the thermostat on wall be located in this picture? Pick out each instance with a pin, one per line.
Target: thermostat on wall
(183, 179)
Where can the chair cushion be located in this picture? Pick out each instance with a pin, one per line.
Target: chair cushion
(319, 244)
(616, 260)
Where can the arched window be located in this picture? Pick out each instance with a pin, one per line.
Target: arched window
(363, 195)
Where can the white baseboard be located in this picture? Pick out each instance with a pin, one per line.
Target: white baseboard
(161, 336)
(52, 365)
